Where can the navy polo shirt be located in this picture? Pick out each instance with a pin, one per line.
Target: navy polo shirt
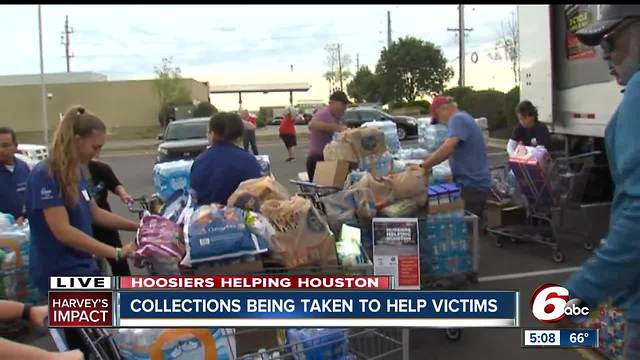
(47, 255)
(217, 172)
(12, 186)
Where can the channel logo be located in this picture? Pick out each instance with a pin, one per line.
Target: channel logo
(550, 303)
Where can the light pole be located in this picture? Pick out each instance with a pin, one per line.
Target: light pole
(43, 89)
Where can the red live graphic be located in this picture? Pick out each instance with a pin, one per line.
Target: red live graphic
(84, 309)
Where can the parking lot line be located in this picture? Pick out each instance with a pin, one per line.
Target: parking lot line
(528, 274)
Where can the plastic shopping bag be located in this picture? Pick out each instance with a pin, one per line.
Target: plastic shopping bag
(215, 232)
(251, 194)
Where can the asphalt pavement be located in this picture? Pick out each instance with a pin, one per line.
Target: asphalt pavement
(518, 266)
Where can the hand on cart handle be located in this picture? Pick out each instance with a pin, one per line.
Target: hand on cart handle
(39, 315)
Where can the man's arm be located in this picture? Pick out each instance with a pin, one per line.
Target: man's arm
(110, 220)
(317, 124)
(444, 151)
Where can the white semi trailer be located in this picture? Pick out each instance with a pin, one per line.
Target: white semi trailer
(569, 83)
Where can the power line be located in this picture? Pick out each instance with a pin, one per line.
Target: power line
(461, 30)
(65, 40)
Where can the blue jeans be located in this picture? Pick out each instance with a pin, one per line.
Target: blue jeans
(632, 340)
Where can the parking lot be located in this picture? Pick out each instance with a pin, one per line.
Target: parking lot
(519, 266)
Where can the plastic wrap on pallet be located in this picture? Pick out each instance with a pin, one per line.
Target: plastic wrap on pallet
(431, 136)
(171, 176)
(378, 165)
(182, 344)
(15, 283)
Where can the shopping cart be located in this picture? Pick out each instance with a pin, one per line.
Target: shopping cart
(98, 343)
(550, 196)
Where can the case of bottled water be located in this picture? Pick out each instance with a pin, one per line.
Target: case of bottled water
(390, 131)
(171, 176)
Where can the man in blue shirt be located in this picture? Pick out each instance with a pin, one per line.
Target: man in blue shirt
(13, 176)
(466, 151)
(614, 269)
(217, 172)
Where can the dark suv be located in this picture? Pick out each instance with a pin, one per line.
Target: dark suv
(183, 139)
(407, 125)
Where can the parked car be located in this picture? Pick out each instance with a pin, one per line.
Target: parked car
(30, 162)
(34, 152)
(277, 120)
(183, 139)
(407, 125)
(301, 120)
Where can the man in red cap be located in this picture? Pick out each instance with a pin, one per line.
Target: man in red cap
(466, 151)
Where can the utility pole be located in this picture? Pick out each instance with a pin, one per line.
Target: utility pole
(43, 89)
(339, 66)
(388, 29)
(461, 30)
(357, 62)
(65, 41)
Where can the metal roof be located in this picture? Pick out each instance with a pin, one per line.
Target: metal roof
(249, 88)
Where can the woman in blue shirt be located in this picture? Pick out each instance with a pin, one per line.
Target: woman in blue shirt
(61, 211)
(218, 171)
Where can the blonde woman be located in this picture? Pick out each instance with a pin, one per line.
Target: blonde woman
(61, 210)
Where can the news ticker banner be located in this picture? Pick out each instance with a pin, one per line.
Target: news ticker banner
(243, 301)
(560, 338)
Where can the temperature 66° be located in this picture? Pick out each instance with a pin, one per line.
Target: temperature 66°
(578, 337)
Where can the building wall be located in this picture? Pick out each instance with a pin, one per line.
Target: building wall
(51, 78)
(120, 104)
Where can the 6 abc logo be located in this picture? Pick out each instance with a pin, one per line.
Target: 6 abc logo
(550, 303)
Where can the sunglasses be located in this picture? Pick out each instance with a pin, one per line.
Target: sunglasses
(608, 41)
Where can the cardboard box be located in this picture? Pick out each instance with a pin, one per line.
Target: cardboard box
(331, 173)
(339, 150)
(503, 213)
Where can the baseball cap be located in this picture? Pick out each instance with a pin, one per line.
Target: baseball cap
(340, 96)
(437, 102)
(610, 17)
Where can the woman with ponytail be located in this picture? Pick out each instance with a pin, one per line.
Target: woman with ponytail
(61, 210)
(218, 171)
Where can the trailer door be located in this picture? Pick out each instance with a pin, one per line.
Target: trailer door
(536, 82)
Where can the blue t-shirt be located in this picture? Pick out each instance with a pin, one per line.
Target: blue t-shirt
(12, 186)
(47, 255)
(469, 163)
(217, 172)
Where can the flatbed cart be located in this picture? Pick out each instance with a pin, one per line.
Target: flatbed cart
(550, 196)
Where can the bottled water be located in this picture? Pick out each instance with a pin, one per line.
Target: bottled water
(390, 131)
(171, 176)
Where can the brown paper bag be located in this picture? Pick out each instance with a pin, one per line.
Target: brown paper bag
(410, 184)
(381, 189)
(302, 234)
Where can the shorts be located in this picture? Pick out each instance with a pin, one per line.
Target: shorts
(289, 140)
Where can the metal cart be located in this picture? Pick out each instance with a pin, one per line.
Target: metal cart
(550, 196)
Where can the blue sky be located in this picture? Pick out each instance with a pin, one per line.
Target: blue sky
(235, 44)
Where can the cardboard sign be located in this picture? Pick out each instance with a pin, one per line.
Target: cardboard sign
(396, 251)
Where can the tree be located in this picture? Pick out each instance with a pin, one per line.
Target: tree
(511, 100)
(338, 63)
(411, 68)
(365, 86)
(171, 91)
(507, 43)
(204, 109)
